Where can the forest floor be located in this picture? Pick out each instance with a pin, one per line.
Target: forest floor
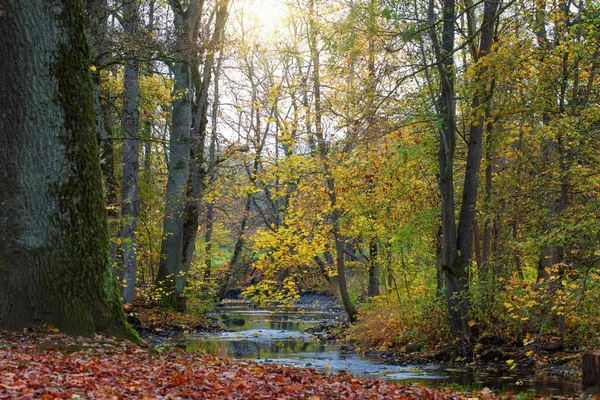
(47, 365)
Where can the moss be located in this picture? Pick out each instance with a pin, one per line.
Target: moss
(91, 302)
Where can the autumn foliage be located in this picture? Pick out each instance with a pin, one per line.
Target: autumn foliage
(53, 366)
(285, 138)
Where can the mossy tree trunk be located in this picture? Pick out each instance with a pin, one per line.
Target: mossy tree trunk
(373, 287)
(54, 247)
(101, 52)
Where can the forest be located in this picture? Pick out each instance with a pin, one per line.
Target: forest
(433, 165)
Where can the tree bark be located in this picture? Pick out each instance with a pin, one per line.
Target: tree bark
(481, 100)
(590, 368)
(131, 152)
(373, 288)
(54, 246)
(169, 277)
(447, 109)
(97, 12)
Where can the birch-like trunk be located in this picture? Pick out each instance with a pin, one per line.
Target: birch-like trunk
(131, 155)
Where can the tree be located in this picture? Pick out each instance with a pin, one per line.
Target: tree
(170, 274)
(54, 251)
(199, 165)
(456, 238)
(131, 154)
(336, 214)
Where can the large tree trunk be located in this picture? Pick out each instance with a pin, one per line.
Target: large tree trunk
(54, 259)
(447, 130)
(131, 155)
(98, 11)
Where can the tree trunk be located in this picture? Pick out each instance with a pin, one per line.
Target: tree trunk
(439, 272)
(590, 368)
(97, 11)
(212, 158)
(198, 168)
(54, 259)
(329, 179)
(447, 109)
(131, 151)
(482, 98)
(373, 288)
(169, 277)
(457, 241)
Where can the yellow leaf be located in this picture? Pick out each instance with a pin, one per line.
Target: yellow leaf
(472, 323)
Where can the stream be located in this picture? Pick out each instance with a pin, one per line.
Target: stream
(276, 335)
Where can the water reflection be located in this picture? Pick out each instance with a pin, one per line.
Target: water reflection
(253, 349)
(239, 320)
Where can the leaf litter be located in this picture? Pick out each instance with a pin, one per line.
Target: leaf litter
(36, 365)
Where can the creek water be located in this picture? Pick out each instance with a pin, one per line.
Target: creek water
(277, 336)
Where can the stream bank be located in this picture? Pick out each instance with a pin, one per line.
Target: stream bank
(296, 337)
